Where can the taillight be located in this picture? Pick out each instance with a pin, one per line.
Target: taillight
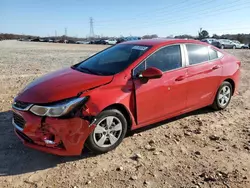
(239, 63)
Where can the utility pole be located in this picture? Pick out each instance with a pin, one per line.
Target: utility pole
(91, 29)
(65, 32)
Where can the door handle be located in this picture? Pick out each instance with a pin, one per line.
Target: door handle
(180, 78)
(216, 67)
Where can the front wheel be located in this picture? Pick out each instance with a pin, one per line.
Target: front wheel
(111, 127)
(223, 96)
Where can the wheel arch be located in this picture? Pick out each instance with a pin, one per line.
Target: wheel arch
(123, 110)
(231, 81)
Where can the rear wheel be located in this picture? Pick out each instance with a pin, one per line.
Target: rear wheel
(222, 47)
(234, 47)
(223, 96)
(111, 127)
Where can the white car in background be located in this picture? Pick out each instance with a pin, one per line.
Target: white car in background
(82, 42)
(239, 45)
(111, 41)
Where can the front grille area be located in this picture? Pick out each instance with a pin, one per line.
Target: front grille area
(21, 105)
(18, 120)
(24, 137)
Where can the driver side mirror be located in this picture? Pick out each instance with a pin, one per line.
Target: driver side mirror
(151, 73)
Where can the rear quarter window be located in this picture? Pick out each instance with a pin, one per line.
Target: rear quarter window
(213, 54)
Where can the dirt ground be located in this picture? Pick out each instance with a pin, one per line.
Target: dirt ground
(199, 149)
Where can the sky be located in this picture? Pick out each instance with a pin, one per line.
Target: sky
(124, 18)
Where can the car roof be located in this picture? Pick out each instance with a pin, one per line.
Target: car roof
(160, 42)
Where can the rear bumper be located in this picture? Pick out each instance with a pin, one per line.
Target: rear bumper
(236, 79)
(65, 137)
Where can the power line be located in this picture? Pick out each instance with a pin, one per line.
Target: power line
(162, 9)
(208, 14)
(167, 11)
(187, 17)
(183, 14)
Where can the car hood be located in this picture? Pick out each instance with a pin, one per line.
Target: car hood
(60, 85)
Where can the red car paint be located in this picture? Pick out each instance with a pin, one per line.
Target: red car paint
(61, 84)
(184, 89)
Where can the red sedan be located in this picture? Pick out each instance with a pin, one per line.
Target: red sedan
(127, 86)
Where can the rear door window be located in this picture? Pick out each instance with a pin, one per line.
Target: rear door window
(197, 53)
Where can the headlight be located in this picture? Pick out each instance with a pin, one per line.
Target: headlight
(57, 109)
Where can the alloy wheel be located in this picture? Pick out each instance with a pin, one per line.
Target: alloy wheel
(224, 96)
(107, 131)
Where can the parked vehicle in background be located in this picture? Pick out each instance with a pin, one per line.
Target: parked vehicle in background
(209, 40)
(132, 38)
(245, 46)
(70, 42)
(100, 41)
(124, 87)
(43, 40)
(82, 42)
(224, 43)
(120, 40)
(111, 41)
(57, 41)
(238, 44)
(124, 39)
(35, 40)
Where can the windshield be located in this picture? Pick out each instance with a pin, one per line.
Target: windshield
(112, 60)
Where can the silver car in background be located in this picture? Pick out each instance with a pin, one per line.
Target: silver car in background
(224, 43)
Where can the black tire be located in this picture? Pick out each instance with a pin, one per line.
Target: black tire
(216, 104)
(90, 142)
(234, 47)
(222, 47)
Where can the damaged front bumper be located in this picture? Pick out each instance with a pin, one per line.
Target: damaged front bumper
(65, 137)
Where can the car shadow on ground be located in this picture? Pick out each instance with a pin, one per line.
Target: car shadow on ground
(155, 125)
(17, 159)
